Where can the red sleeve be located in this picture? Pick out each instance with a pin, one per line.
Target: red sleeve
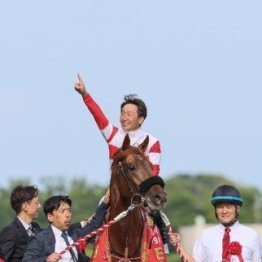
(156, 170)
(155, 148)
(96, 111)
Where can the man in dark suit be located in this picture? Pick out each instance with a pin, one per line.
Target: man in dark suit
(15, 237)
(48, 244)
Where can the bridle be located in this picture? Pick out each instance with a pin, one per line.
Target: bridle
(129, 182)
(141, 188)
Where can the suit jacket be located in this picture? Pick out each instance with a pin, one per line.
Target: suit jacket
(43, 244)
(1, 255)
(14, 240)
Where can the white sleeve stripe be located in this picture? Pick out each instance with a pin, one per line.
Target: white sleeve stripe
(107, 131)
(155, 158)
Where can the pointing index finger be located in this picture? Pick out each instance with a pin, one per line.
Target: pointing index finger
(79, 78)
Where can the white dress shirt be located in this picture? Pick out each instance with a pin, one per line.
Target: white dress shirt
(208, 247)
(26, 225)
(60, 245)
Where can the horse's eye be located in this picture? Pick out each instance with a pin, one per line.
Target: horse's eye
(131, 167)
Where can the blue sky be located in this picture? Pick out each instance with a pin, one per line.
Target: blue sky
(197, 65)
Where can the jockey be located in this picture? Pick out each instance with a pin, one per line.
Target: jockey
(230, 239)
(133, 114)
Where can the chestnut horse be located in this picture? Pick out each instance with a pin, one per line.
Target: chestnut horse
(131, 170)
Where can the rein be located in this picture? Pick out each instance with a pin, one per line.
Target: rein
(100, 229)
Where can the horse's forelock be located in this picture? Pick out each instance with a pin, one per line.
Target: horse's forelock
(120, 155)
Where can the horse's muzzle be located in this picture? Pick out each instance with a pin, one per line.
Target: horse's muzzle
(159, 199)
(156, 198)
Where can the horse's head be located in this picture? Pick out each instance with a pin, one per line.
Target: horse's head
(132, 176)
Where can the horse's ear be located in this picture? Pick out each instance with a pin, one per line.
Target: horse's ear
(144, 145)
(126, 142)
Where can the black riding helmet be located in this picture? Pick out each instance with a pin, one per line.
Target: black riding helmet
(228, 194)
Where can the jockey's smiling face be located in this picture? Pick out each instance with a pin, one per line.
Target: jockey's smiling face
(129, 118)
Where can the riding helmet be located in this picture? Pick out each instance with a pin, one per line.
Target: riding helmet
(228, 194)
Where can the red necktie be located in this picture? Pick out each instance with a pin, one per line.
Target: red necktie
(226, 241)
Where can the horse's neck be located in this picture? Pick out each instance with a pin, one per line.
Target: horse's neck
(117, 208)
(128, 231)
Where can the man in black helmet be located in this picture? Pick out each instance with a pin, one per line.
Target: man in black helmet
(229, 239)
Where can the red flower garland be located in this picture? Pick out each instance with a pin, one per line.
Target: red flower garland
(234, 249)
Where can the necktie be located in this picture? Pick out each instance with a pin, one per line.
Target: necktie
(64, 236)
(226, 241)
(30, 231)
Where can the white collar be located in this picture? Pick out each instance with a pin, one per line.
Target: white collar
(57, 231)
(26, 225)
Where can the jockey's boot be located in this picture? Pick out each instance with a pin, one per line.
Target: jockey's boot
(162, 229)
